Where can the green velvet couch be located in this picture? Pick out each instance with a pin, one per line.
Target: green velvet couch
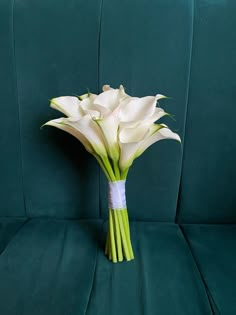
(181, 198)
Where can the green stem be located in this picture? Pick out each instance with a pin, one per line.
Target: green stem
(116, 169)
(124, 174)
(127, 231)
(123, 235)
(117, 234)
(102, 166)
(112, 238)
(107, 242)
(108, 168)
(109, 249)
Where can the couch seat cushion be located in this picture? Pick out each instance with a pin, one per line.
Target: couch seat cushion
(213, 247)
(163, 278)
(8, 228)
(58, 267)
(48, 268)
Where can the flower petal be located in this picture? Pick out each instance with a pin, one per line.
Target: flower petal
(158, 113)
(96, 111)
(129, 151)
(60, 124)
(161, 134)
(127, 154)
(86, 103)
(86, 95)
(102, 110)
(90, 130)
(138, 108)
(106, 87)
(109, 127)
(131, 136)
(110, 98)
(134, 133)
(68, 105)
(160, 96)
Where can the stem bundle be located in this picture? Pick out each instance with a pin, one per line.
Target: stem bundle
(118, 243)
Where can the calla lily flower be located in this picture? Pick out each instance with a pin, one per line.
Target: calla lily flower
(109, 127)
(113, 124)
(135, 140)
(60, 123)
(68, 105)
(139, 108)
(90, 130)
(111, 98)
(86, 130)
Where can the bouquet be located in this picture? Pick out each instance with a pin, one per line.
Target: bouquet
(115, 128)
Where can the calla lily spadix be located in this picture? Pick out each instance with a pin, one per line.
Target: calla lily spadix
(115, 128)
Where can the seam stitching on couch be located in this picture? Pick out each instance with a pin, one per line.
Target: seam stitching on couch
(94, 276)
(17, 100)
(98, 88)
(186, 111)
(99, 44)
(99, 194)
(14, 236)
(142, 278)
(207, 291)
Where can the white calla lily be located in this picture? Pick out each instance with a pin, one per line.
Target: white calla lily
(109, 126)
(130, 138)
(158, 113)
(88, 107)
(60, 124)
(107, 87)
(90, 130)
(163, 133)
(138, 108)
(113, 124)
(102, 110)
(110, 98)
(86, 101)
(134, 141)
(68, 105)
(85, 130)
(134, 133)
(127, 155)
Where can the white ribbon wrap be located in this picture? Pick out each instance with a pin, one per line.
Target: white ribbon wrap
(116, 195)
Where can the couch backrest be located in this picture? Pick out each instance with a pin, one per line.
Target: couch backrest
(177, 48)
(49, 48)
(208, 189)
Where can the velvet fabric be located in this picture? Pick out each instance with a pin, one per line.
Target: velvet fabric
(12, 198)
(207, 192)
(48, 267)
(213, 247)
(181, 198)
(57, 266)
(8, 228)
(163, 278)
(46, 53)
